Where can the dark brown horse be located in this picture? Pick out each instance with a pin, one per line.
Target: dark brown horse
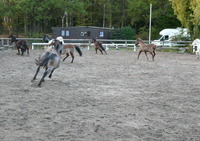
(98, 46)
(151, 48)
(21, 45)
(68, 49)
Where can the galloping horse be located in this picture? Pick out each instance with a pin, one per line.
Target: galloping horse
(50, 60)
(20, 44)
(98, 46)
(67, 49)
(146, 48)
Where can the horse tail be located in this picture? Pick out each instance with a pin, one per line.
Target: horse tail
(100, 44)
(78, 50)
(43, 61)
(26, 45)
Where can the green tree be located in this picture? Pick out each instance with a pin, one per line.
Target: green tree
(126, 33)
(188, 12)
(162, 16)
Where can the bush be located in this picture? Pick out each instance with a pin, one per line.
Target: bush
(125, 33)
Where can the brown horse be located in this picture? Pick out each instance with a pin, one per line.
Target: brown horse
(21, 45)
(98, 46)
(68, 50)
(146, 48)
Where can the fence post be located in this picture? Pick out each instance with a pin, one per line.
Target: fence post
(89, 44)
(32, 46)
(134, 48)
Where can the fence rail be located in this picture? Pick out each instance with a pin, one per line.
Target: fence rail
(34, 42)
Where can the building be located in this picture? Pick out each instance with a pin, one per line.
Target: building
(83, 32)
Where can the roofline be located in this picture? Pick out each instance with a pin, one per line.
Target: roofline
(83, 27)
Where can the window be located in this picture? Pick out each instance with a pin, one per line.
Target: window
(67, 33)
(101, 34)
(166, 37)
(62, 33)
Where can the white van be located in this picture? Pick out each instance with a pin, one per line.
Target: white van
(167, 35)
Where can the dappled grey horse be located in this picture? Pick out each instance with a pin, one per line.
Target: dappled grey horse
(50, 60)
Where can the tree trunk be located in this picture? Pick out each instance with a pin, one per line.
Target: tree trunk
(104, 14)
(66, 21)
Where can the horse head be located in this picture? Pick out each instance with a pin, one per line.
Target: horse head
(46, 38)
(57, 45)
(60, 39)
(13, 38)
(138, 41)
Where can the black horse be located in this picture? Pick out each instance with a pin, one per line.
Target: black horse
(46, 38)
(20, 44)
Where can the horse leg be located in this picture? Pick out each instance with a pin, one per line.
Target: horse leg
(101, 51)
(28, 50)
(44, 75)
(51, 73)
(154, 53)
(146, 55)
(67, 55)
(152, 56)
(139, 54)
(38, 69)
(18, 51)
(96, 50)
(22, 50)
(72, 55)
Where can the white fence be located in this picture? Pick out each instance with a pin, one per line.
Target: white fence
(117, 44)
(34, 42)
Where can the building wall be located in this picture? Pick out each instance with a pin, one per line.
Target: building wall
(81, 32)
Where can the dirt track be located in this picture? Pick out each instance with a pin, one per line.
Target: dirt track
(101, 98)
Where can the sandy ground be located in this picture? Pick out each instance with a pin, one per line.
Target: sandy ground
(113, 97)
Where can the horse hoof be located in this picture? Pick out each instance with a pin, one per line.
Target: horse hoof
(32, 80)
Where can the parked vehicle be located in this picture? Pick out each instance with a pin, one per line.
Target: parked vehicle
(168, 37)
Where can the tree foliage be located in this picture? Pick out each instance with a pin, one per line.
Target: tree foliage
(188, 12)
(127, 33)
(38, 16)
(162, 16)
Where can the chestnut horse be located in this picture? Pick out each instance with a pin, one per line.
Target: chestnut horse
(21, 45)
(98, 46)
(67, 49)
(146, 48)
